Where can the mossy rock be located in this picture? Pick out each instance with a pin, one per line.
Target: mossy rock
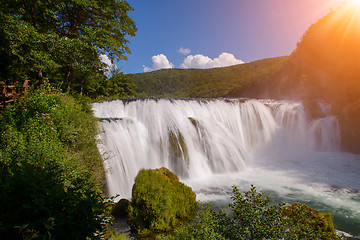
(194, 122)
(159, 201)
(312, 109)
(178, 153)
(177, 144)
(319, 221)
(350, 122)
(351, 111)
(120, 209)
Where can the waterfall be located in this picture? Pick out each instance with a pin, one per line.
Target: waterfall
(201, 138)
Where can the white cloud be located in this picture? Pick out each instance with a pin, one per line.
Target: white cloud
(105, 59)
(185, 51)
(200, 61)
(146, 69)
(159, 62)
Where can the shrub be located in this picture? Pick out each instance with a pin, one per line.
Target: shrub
(252, 217)
(159, 201)
(46, 188)
(207, 225)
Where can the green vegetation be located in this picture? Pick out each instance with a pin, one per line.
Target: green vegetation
(117, 87)
(62, 41)
(118, 237)
(252, 217)
(50, 169)
(304, 221)
(51, 172)
(216, 82)
(159, 201)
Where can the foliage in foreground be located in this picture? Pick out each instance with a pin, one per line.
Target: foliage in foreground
(48, 165)
(159, 201)
(252, 217)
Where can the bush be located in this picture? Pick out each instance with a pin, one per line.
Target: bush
(252, 217)
(47, 188)
(159, 201)
(206, 225)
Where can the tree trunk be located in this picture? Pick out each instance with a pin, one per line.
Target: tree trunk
(68, 78)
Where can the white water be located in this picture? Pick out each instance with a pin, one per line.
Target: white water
(214, 144)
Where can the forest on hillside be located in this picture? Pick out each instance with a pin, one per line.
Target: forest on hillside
(206, 83)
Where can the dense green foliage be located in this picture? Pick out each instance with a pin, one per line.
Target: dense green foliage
(48, 165)
(117, 86)
(216, 82)
(253, 217)
(159, 201)
(63, 40)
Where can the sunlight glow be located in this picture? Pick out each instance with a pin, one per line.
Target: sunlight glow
(355, 3)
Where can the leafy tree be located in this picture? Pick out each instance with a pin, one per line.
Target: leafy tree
(117, 86)
(253, 217)
(62, 40)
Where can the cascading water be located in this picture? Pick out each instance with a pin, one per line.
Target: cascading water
(214, 144)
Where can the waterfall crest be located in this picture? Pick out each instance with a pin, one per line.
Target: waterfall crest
(201, 138)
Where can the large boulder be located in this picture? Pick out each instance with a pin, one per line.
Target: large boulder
(312, 109)
(305, 220)
(159, 201)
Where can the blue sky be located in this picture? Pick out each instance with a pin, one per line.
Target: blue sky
(236, 30)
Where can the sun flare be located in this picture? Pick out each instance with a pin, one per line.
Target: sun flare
(355, 3)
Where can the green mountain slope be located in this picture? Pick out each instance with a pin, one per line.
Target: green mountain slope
(326, 65)
(207, 83)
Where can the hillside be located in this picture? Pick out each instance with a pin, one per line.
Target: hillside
(326, 65)
(216, 82)
(326, 62)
